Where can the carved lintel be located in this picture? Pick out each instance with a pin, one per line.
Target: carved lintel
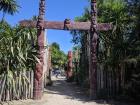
(58, 25)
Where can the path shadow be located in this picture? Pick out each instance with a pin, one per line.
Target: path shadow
(74, 92)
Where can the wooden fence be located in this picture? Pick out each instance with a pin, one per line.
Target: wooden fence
(113, 83)
(17, 85)
(109, 81)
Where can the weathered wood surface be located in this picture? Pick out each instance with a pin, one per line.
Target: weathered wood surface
(60, 25)
(38, 77)
(93, 51)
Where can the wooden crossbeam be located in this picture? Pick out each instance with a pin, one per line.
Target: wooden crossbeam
(72, 26)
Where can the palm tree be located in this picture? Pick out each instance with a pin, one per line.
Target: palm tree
(9, 7)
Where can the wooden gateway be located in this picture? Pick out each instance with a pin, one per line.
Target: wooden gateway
(93, 26)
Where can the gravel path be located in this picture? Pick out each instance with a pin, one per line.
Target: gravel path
(62, 93)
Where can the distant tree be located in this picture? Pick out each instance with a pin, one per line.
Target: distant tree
(58, 56)
(8, 7)
(56, 45)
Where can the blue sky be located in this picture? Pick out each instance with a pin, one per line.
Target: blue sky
(57, 10)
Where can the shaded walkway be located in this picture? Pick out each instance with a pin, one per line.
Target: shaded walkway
(63, 93)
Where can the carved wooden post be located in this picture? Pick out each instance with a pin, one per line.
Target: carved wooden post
(40, 40)
(69, 70)
(93, 51)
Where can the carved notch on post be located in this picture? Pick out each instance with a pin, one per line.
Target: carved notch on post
(67, 24)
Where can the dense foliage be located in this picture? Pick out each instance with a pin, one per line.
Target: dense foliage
(17, 48)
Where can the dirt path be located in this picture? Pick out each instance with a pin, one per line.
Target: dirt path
(62, 93)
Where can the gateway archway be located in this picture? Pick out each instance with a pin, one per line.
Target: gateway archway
(93, 26)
